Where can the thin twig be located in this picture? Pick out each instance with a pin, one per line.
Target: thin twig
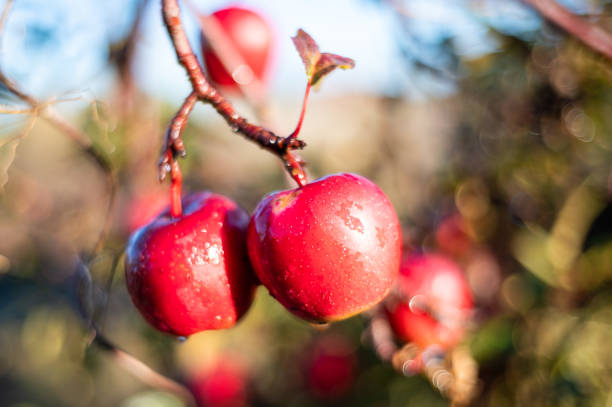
(122, 55)
(44, 110)
(14, 89)
(142, 371)
(85, 143)
(80, 138)
(109, 286)
(4, 16)
(5, 109)
(85, 288)
(173, 145)
(590, 34)
(280, 146)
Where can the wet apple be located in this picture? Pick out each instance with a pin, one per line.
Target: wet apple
(327, 250)
(191, 273)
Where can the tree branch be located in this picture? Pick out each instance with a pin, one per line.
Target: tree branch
(142, 371)
(121, 55)
(280, 146)
(5, 12)
(88, 307)
(590, 34)
(5, 109)
(44, 110)
(173, 145)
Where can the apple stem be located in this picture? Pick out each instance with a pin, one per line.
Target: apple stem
(293, 165)
(176, 208)
(304, 104)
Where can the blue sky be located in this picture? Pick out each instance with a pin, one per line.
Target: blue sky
(58, 48)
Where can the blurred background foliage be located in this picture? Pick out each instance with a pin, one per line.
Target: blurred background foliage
(493, 128)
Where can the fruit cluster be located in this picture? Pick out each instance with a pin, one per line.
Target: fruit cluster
(326, 250)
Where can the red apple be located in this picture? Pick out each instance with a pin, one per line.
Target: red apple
(224, 384)
(252, 39)
(191, 273)
(432, 302)
(330, 369)
(327, 250)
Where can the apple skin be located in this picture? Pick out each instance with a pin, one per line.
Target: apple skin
(442, 302)
(252, 37)
(191, 273)
(327, 250)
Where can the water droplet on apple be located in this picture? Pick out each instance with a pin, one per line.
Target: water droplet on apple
(418, 304)
(214, 255)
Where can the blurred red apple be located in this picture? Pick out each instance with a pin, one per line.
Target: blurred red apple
(251, 37)
(327, 250)
(191, 273)
(331, 368)
(223, 385)
(432, 303)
